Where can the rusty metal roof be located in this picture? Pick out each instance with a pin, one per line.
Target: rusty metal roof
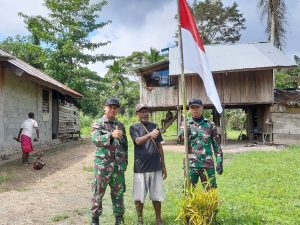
(35, 73)
(236, 57)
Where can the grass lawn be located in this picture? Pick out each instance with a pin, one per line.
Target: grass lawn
(256, 188)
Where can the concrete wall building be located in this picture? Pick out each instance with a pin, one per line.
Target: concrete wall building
(25, 89)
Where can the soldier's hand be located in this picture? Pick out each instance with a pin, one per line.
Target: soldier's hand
(154, 133)
(219, 168)
(117, 133)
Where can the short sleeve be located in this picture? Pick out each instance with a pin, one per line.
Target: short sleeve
(133, 133)
(35, 124)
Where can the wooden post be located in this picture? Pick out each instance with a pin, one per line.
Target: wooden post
(183, 97)
(179, 115)
(223, 126)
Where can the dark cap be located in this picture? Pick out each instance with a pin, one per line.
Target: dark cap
(141, 106)
(195, 101)
(112, 101)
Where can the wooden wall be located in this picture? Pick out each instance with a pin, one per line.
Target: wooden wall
(239, 88)
(69, 119)
(159, 96)
(254, 87)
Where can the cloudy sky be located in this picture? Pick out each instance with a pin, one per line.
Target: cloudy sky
(138, 25)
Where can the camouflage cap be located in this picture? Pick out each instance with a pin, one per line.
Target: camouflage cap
(141, 106)
(195, 101)
(112, 101)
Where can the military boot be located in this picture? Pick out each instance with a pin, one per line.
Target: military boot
(119, 220)
(95, 220)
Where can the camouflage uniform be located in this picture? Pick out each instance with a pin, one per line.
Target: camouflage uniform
(110, 165)
(203, 142)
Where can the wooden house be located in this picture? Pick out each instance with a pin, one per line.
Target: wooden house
(25, 89)
(243, 75)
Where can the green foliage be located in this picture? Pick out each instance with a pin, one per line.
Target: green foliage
(120, 82)
(235, 119)
(85, 124)
(154, 56)
(26, 50)
(199, 206)
(216, 23)
(59, 45)
(284, 80)
(288, 78)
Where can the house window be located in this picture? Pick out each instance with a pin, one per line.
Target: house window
(158, 79)
(45, 105)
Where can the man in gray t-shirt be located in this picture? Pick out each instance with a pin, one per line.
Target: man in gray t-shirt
(149, 163)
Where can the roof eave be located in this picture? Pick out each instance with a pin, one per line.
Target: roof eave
(243, 70)
(142, 69)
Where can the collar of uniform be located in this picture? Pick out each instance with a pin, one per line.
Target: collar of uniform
(191, 121)
(106, 120)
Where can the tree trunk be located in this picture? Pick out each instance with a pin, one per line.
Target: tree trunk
(272, 40)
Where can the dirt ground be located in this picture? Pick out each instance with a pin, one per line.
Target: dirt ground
(61, 189)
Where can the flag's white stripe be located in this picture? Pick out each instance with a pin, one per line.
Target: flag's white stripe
(196, 60)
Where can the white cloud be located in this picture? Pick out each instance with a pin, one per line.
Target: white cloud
(12, 24)
(157, 31)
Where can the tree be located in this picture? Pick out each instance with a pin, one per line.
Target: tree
(275, 11)
(64, 44)
(154, 56)
(216, 23)
(65, 32)
(116, 74)
(288, 78)
(120, 81)
(26, 50)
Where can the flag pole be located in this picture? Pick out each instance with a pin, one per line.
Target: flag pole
(183, 97)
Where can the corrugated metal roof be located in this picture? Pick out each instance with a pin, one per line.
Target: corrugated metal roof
(39, 74)
(236, 57)
(151, 66)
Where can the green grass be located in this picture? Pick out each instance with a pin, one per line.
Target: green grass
(234, 134)
(261, 188)
(4, 178)
(88, 169)
(59, 218)
(256, 188)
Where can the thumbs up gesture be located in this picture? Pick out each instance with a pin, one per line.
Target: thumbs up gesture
(117, 133)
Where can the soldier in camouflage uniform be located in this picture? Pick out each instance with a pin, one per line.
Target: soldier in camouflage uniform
(109, 136)
(204, 141)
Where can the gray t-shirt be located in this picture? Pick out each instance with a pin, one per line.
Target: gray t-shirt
(146, 156)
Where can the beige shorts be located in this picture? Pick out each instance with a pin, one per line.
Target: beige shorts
(150, 181)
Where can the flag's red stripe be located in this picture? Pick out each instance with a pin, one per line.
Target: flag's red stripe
(187, 21)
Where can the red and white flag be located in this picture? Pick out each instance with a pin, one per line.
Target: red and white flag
(194, 55)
